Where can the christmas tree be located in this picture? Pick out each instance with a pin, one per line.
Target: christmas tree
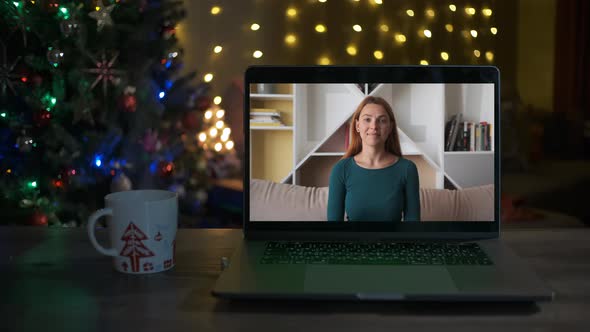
(92, 101)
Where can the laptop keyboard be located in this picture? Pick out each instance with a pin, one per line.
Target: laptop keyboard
(374, 253)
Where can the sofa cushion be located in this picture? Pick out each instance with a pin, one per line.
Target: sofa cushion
(270, 201)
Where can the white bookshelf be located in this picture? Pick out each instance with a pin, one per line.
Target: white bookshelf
(316, 117)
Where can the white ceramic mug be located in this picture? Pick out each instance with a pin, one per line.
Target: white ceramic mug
(142, 229)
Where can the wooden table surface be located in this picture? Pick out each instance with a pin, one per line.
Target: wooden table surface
(53, 280)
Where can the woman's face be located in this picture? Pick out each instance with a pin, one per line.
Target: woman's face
(373, 125)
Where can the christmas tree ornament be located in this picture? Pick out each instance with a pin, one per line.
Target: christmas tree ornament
(190, 120)
(165, 168)
(55, 56)
(104, 71)
(6, 75)
(121, 183)
(203, 103)
(102, 15)
(70, 27)
(42, 118)
(128, 101)
(38, 218)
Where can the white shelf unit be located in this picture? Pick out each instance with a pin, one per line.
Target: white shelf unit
(319, 117)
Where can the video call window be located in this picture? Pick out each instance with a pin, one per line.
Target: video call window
(428, 137)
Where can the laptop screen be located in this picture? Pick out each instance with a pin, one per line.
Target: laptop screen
(386, 152)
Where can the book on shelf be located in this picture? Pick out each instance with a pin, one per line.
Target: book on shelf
(452, 129)
(265, 117)
(469, 136)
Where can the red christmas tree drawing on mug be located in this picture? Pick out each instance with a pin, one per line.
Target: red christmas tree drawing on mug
(134, 248)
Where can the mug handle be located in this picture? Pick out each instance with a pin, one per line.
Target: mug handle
(91, 224)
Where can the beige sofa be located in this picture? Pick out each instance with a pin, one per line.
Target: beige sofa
(271, 201)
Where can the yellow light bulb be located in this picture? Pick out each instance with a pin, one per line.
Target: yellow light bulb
(202, 137)
(215, 10)
(473, 33)
(255, 27)
(291, 12)
(494, 30)
(384, 27)
(218, 147)
(229, 145)
(357, 28)
(219, 114)
(449, 27)
(424, 62)
(213, 132)
(208, 77)
(219, 124)
(224, 138)
(324, 61)
(320, 28)
(430, 12)
(257, 54)
(444, 56)
(453, 8)
(427, 33)
(217, 100)
(208, 115)
(290, 39)
(351, 50)
(378, 55)
(97, 8)
(400, 38)
(470, 10)
(217, 49)
(226, 131)
(477, 53)
(487, 12)
(410, 12)
(490, 56)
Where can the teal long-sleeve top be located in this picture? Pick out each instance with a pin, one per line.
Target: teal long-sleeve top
(384, 194)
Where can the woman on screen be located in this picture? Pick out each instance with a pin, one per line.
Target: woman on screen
(373, 182)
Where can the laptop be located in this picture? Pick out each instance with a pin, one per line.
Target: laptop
(379, 238)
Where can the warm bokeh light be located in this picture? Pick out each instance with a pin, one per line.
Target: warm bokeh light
(219, 114)
(208, 77)
(202, 137)
(218, 146)
(357, 28)
(324, 61)
(351, 50)
(378, 55)
(473, 33)
(477, 53)
(291, 12)
(290, 39)
(449, 27)
(427, 33)
(384, 28)
(494, 30)
(430, 12)
(215, 10)
(217, 100)
(229, 145)
(486, 12)
(490, 56)
(424, 62)
(217, 49)
(208, 115)
(444, 56)
(255, 27)
(379, 2)
(213, 132)
(219, 124)
(320, 28)
(226, 131)
(410, 12)
(257, 54)
(400, 38)
(470, 10)
(453, 8)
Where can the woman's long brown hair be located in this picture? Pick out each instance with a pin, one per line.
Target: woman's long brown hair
(356, 145)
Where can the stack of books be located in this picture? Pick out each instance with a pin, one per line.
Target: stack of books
(265, 117)
(468, 136)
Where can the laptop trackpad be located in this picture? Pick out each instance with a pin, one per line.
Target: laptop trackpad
(371, 278)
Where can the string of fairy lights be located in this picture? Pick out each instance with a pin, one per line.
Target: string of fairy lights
(397, 37)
